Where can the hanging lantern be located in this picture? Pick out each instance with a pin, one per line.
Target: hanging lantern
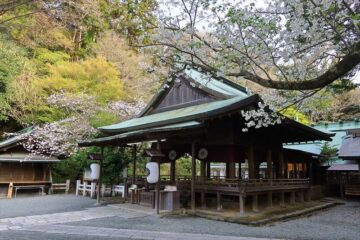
(153, 169)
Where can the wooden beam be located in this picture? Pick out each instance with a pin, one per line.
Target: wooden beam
(269, 167)
(239, 170)
(98, 197)
(255, 203)
(241, 204)
(193, 175)
(282, 165)
(158, 147)
(172, 171)
(208, 169)
(251, 162)
(202, 170)
(133, 180)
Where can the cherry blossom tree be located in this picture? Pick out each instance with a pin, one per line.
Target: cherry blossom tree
(291, 45)
(60, 138)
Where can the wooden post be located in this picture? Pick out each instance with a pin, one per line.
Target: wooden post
(158, 183)
(98, 197)
(218, 201)
(269, 197)
(255, 203)
(292, 197)
(282, 199)
(231, 168)
(193, 175)
(239, 170)
(281, 165)
(202, 170)
(203, 200)
(208, 169)
(67, 188)
(133, 180)
(10, 190)
(172, 171)
(251, 163)
(301, 196)
(241, 204)
(269, 163)
(77, 189)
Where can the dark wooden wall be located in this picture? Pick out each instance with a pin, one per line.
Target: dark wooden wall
(17, 172)
(182, 94)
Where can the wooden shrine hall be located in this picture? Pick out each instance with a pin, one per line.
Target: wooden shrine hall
(200, 116)
(21, 169)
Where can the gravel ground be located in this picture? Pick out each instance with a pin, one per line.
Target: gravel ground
(340, 222)
(56, 203)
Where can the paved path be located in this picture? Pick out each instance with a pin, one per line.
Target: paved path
(74, 216)
(127, 233)
(36, 205)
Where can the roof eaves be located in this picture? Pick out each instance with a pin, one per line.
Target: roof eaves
(235, 106)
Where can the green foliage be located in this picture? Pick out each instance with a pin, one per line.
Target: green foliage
(328, 153)
(294, 114)
(103, 119)
(12, 61)
(94, 77)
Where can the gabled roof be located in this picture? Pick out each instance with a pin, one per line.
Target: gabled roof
(181, 115)
(219, 88)
(211, 97)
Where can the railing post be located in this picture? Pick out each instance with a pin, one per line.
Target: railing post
(67, 186)
(78, 182)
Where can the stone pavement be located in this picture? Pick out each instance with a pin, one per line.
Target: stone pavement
(127, 233)
(74, 216)
(55, 224)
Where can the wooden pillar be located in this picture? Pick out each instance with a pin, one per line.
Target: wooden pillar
(270, 200)
(239, 170)
(208, 169)
(203, 200)
(241, 204)
(218, 201)
(158, 183)
(251, 163)
(133, 180)
(202, 170)
(269, 167)
(255, 203)
(282, 165)
(100, 177)
(292, 197)
(193, 175)
(282, 199)
(172, 171)
(301, 196)
(230, 170)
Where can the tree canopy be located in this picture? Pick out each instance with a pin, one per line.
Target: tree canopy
(290, 45)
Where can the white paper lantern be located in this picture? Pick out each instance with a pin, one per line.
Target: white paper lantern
(153, 168)
(95, 171)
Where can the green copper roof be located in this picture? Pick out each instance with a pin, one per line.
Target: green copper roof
(174, 116)
(229, 89)
(14, 140)
(314, 148)
(127, 135)
(339, 128)
(25, 157)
